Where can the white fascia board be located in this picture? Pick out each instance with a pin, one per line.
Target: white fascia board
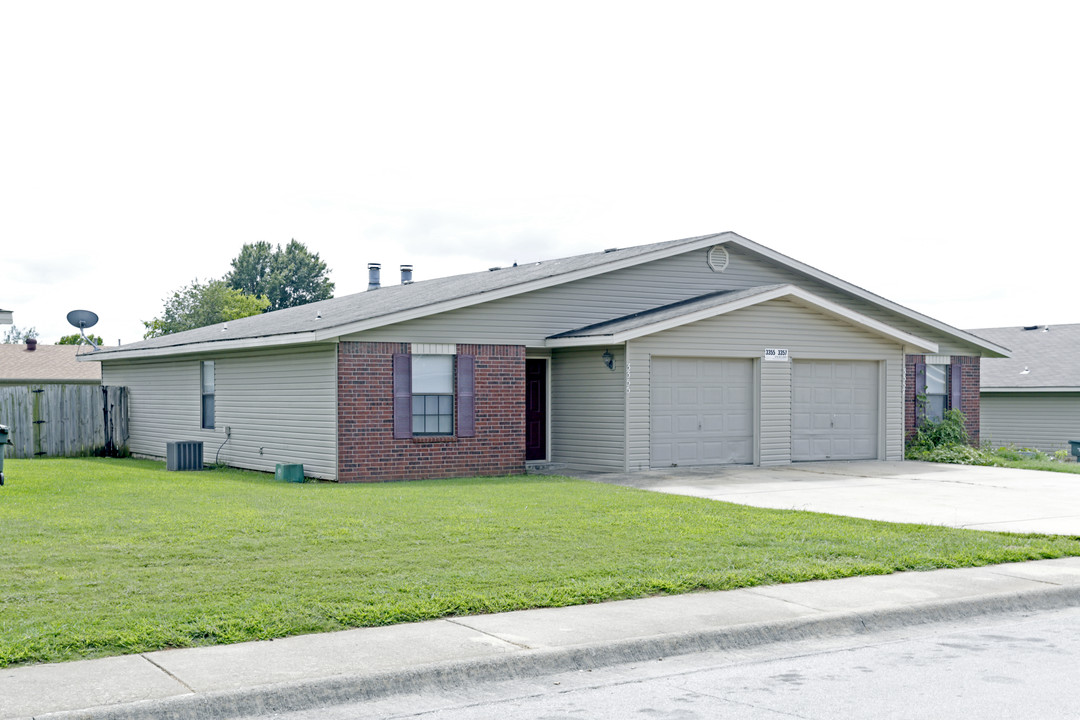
(463, 302)
(780, 292)
(1061, 389)
(202, 348)
(997, 350)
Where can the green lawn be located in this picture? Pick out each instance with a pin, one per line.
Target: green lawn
(1044, 465)
(104, 557)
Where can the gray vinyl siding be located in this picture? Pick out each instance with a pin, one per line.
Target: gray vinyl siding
(1046, 421)
(587, 409)
(529, 318)
(283, 402)
(774, 447)
(806, 334)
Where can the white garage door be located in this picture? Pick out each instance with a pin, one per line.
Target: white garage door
(702, 411)
(834, 410)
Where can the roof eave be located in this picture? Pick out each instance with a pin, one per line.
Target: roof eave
(50, 381)
(211, 346)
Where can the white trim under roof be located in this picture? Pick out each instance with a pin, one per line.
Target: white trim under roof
(202, 348)
(784, 291)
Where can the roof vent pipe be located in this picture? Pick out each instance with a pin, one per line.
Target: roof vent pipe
(406, 274)
(31, 344)
(373, 276)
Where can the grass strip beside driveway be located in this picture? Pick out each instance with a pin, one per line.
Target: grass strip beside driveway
(105, 557)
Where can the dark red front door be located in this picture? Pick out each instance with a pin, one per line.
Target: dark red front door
(536, 409)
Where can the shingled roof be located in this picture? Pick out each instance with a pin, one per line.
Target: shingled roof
(326, 320)
(46, 364)
(1044, 358)
(315, 319)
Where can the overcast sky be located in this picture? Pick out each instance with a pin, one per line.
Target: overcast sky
(926, 151)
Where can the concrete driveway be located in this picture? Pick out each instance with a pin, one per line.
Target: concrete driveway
(979, 498)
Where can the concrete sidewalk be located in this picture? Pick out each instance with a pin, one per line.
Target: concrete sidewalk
(315, 671)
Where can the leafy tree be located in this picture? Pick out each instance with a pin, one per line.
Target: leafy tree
(77, 339)
(202, 304)
(287, 277)
(15, 336)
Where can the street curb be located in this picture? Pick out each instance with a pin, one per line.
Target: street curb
(343, 689)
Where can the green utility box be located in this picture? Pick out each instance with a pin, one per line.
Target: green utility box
(289, 471)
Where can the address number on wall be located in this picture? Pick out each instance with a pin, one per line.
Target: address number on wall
(776, 354)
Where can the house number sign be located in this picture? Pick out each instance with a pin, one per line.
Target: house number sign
(776, 354)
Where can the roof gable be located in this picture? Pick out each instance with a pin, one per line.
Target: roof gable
(706, 306)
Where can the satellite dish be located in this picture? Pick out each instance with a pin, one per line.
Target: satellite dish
(83, 319)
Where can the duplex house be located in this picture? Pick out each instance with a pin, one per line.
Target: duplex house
(701, 351)
(1032, 399)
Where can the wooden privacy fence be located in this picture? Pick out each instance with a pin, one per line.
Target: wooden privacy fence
(64, 420)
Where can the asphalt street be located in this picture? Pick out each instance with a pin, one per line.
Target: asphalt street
(1007, 666)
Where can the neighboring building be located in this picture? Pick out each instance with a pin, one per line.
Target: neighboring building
(707, 350)
(5, 317)
(46, 364)
(1032, 399)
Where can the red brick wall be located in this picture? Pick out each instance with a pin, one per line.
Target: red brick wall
(367, 450)
(969, 392)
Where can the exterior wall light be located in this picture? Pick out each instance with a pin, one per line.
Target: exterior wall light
(609, 360)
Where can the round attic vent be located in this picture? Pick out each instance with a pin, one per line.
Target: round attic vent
(718, 258)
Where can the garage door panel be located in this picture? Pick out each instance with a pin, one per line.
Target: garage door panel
(688, 450)
(741, 424)
(686, 395)
(840, 398)
(739, 396)
(864, 447)
(713, 422)
(686, 369)
(713, 396)
(866, 372)
(686, 423)
(710, 404)
(863, 422)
